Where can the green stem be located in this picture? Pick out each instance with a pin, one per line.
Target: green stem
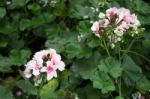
(119, 86)
(132, 42)
(137, 54)
(106, 48)
(120, 93)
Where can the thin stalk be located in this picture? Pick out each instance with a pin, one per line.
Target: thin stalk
(106, 48)
(120, 93)
(132, 42)
(137, 54)
(119, 86)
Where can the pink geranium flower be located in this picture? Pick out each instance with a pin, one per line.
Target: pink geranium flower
(50, 70)
(111, 13)
(47, 61)
(95, 28)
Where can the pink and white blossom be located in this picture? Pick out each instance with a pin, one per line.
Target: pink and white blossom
(44, 61)
(51, 72)
(120, 20)
(95, 28)
(111, 12)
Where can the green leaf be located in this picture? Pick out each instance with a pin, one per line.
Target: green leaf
(56, 43)
(8, 28)
(86, 67)
(3, 41)
(47, 91)
(141, 6)
(111, 66)
(18, 3)
(16, 58)
(78, 11)
(5, 93)
(34, 7)
(76, 49)
(19, 57)
(132, 72)
(102, 81)
(88, 92)
(84, 28)
(2, 12)
(119, 97)
(24, 24)
(143, 84)
(41, 19)
(27, 87)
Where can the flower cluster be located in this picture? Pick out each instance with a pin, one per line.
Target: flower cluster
(119, 21)
(44, 61)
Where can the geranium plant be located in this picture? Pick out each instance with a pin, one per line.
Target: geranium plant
(74, 49)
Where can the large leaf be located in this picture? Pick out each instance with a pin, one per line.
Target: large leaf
(7, 27)
(16, 58)
(27, 87)
(132, 72)
(111, 66)
(102, 81)
(86, 67)
(48, 90)
(88, 92)
(5, 93)
(19, 57)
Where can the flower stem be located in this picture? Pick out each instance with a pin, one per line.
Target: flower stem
(120, 93)
(148, 60)
(132, 42)
(106, 48)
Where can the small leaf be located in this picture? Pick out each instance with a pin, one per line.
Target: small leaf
(2, 12)
(34, 7)
(3, 41)
(143, 84)
(24, 24)
(18, 3)
(84, 28)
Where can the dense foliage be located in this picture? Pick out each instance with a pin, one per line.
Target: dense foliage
(27, 26)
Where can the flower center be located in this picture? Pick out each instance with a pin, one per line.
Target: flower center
(49, 69)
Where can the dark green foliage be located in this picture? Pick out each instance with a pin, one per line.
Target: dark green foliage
(27, 26)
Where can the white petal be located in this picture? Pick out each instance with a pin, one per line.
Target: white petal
(54, 73)
(43, 69)
(61, 66)
(30, 64)
(95, 26)
(27, 73)
(49, 76)
(36, 72)
(101, 15)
